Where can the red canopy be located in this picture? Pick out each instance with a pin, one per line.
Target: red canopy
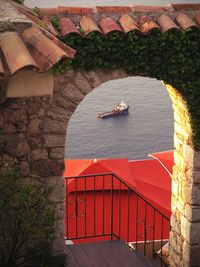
(165, 158)
(120, 167)
(153, 182)
(147, 177)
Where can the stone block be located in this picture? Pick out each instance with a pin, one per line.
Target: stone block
(16, 146)
(58, 194)
(73, 93)
(82, 83)
(195, 175)
(59, 114)
(93, 78)
(59, 229)
(54, 126)
(196, 162)
(60, 210)
(54, 140)
(57, 153)
(190, 231)
(24, 168)
(59, 245)
(65, 103)
(46, 168)
(194, 255)
(192, 213)
(34, 127)
(39, 154)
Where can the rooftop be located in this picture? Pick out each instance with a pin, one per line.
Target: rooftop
(105, 19)
(25, 44)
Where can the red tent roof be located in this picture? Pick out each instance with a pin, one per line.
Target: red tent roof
(120, 167)
(166, 159)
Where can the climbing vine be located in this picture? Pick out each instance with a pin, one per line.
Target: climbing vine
(172, 56)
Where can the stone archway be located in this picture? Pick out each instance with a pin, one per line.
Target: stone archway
(34, 137)
(33, 130)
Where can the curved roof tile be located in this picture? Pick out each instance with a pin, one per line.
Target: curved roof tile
(15, 52)
(197, 18)
(108, 25)
(33, 45)
(147, 24)
(88, 25)
(128, 23)
(67, 26)
(166, 23)
(43, 45)
(185, 21)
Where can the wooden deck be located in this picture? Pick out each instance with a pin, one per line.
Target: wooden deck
(107, 253)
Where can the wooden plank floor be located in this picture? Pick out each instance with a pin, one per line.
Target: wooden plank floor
(100, 254)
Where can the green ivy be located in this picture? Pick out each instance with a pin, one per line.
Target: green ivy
(27, 222)
(172, 56)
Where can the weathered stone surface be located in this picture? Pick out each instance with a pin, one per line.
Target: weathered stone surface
(73, 93)
(19, 119)
(58, 194)
(60, 210)
(59, 245)
(45, 168)
(197, 159)
(93, 78)
(192, 213)
(54, 126)
(59, 113)
(34, 127)
(194, 255)
(191, 193)
(24, 168)
(57, 153)
(54, 140)
(39, 154)
(65, 103)
(59, 229)
(82, 83)
(16, 146)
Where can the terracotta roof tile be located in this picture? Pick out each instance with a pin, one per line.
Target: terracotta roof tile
(67, 26)
(108, 25)
(43, 45)
(15, 52)
(197, 18)
(70, 53)
(147, 24)
(63, 10)
(185, 7)
(113, 9)
(166, 23)
(42, 63)
(184, 21)
(149, 17)
(48, 11)
(88, 25)
(148, 9)
(35, 47)
(2, 72)
(49, 26)
(128, 23)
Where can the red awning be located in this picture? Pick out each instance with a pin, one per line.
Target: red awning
(120, 167)
(165, 158)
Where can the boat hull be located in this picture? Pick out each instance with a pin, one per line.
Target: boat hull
(112, 113)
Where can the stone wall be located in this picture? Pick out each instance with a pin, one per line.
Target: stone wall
(33, 133)
(185, 220)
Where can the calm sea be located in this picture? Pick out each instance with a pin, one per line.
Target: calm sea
(147, 128)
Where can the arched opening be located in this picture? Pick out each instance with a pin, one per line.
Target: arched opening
(148, 128)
